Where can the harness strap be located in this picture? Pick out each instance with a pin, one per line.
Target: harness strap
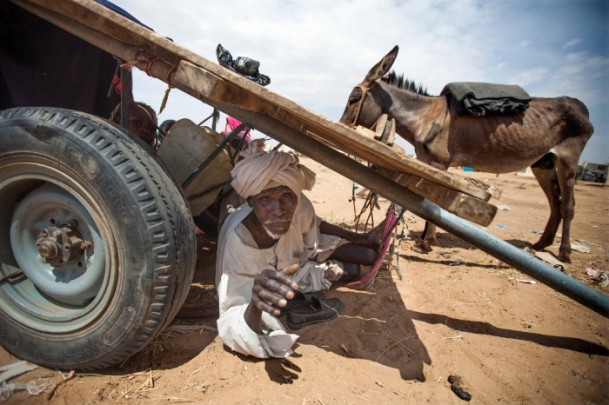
(365, 89)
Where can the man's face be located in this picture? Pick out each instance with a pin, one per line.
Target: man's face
(142, 124)
(274, 208)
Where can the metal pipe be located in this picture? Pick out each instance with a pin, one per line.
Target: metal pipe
(515, 257)
(429, 211)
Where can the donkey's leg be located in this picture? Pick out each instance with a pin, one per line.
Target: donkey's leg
(566, 171)
(548, 181)
(428, 238)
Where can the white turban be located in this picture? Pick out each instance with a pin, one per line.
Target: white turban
(260, 170)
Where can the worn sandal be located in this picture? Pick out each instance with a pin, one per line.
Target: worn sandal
(300, 300)
(318, 310)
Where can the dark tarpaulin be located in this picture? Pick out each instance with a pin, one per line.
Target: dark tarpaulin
(42, 65)
(481, 99)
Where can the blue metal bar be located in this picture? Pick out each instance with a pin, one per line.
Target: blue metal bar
(515, 257)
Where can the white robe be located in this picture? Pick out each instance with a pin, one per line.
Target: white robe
(239, 261)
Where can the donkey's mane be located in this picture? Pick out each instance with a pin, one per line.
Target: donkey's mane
(402, 83)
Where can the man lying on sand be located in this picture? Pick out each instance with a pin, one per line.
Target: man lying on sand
(274, 248)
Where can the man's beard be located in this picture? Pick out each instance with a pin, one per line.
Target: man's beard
(271, 234)
(275, 226)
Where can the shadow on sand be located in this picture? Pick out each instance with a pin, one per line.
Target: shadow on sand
(374, 325)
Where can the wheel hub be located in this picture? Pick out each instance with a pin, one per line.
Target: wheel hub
(61, 245)
(57, 246)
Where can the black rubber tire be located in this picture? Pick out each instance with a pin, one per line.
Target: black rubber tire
(146, 251)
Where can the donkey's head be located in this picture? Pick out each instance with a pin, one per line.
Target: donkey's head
(365, 107)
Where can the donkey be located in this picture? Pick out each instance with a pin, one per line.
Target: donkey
(549, 136)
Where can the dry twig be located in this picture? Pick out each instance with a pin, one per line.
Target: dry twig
(71, 375)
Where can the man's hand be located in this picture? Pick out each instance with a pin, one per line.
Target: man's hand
(271, 292)
(273, 288)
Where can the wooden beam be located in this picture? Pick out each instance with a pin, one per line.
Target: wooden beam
(196, 81)
(219, 87)
(461, 204)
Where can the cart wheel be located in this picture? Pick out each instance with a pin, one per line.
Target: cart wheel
(97, 247)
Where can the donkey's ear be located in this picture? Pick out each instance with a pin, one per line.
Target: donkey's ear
(381, 68)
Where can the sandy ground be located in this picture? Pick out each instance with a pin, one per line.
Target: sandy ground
(454, 312)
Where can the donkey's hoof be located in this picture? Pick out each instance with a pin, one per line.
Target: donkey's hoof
(564, 257)
(422, 248)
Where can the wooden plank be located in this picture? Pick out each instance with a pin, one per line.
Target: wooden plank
(461, 204)
(188, 77)
(217, 86)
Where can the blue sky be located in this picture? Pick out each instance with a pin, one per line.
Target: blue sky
(315, 51)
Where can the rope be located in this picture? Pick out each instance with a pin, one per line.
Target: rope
(370, 203)
(148, 64)
(169, 87)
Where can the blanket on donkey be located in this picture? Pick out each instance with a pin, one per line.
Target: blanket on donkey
(486, 98)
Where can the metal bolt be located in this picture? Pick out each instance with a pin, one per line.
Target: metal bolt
(47, 249)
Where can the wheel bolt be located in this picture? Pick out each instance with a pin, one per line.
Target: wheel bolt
(48, 249)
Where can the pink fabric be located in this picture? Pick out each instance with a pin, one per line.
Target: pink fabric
(233, 123)
(366, 280)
